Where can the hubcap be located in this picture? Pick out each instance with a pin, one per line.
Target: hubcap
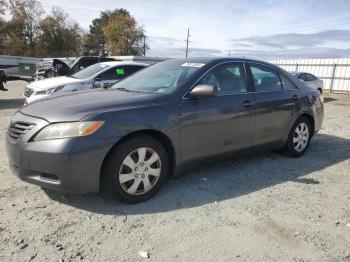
(140, 171)
(301, 137)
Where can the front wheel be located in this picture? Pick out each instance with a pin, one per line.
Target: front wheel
(299, 138)
(136, 169)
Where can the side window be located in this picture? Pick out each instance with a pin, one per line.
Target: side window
(132, 69)
(265, 78)
(310, 77)
(118, 73)
(108, 75)
(302, 77)
(229, 79)
(286, 83)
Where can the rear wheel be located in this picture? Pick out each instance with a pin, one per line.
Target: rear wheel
(136, 169)
(299, 138)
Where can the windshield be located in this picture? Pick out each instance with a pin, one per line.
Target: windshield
(89, 71)
(163, 77)
(71, 62)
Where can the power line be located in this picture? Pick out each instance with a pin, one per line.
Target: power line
(187, 41)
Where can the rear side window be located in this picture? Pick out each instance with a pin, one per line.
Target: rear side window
(265, 78)
(302, 77)
(310, 77)
(229, 78)
(120, 72)
(286, 83)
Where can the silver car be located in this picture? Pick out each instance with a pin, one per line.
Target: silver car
(98, 75)
(310, 80)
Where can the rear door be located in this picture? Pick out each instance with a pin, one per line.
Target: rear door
(276, 98)
(212, 125)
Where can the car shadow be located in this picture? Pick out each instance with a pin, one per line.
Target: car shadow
(223, 179)
(329, 99)
(11, 103)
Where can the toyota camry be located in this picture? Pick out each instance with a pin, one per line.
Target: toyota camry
(127, 140)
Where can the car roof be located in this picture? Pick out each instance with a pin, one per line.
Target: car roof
(206, 60)
(121, 63)
(298, 73)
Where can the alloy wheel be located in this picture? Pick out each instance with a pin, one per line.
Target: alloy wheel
(140, 171)
(301, 137)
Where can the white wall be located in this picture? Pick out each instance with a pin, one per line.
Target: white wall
(323, 68)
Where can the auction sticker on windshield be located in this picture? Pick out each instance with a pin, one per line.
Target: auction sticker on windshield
(198, 65)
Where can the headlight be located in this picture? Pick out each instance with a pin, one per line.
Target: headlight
(68, 129)
(49, 91)
(55, 89)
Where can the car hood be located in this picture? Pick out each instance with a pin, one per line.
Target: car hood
(53, 82)
(75, 106)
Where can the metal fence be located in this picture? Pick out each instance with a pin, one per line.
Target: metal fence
(18, 65)
(334, 72)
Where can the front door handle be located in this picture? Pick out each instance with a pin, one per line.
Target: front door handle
(247, 103)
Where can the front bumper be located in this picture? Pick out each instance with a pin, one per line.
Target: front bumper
(70, 165)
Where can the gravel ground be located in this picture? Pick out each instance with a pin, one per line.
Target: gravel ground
(263, 207)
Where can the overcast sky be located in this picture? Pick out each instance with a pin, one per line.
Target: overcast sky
(253, 28)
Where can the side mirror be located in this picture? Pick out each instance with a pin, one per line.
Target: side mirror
(97, 83)
(203, 91)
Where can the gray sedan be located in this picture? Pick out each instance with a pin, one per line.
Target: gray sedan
(127, 140)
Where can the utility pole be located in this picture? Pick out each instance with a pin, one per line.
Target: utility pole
(229, 52)
(144, 46)
(187, 41)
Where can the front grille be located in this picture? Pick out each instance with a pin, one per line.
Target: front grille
(28, 92)
(18, 129)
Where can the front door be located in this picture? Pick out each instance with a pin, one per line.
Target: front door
(212, 125)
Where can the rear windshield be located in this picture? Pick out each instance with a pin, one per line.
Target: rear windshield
(163, 77)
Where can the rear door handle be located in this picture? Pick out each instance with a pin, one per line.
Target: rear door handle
(247, 103)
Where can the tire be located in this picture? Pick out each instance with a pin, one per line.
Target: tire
(297, 144)
(129, 179)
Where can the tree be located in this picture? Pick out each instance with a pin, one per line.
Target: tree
(23, 28)
(3, 35)
(124, 36)
(58, 35)
(3, 6)
(102, 33)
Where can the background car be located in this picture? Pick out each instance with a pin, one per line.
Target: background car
(57, 67)
(310, 80)
(128, 139)
(98, 75)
